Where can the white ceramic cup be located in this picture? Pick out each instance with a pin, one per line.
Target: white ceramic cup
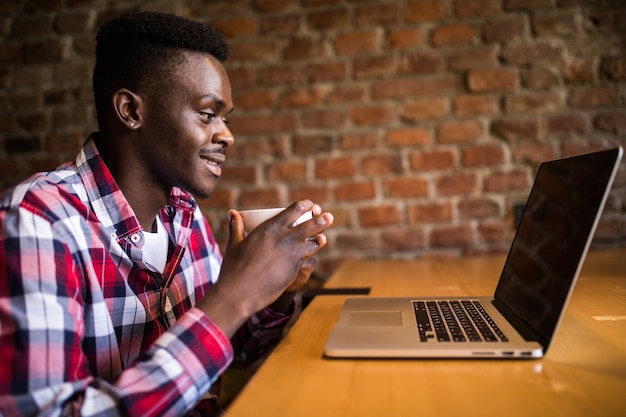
(253, 218)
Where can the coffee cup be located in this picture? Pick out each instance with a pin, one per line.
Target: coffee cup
(253, 218)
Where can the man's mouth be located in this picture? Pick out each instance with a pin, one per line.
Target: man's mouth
(212, 161)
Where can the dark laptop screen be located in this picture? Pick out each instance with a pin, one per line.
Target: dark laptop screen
(552, 238)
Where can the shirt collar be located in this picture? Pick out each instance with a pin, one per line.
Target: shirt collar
(107, 200)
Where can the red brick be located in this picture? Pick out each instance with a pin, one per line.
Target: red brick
(404, 38)
(445, 236)
(421, 11)
(375, 165)
(475, 105)
(319, 194)
(578, 71)
(404, 239)
(372, 115)
(472, 58)
(374, 66)
(496, 231)
(533, 102)
(526, 4)
(357, 240)
(280, 25)
(607, 20)
(311, 144)
(255, 99)
(515, 128)
(319, 2)
(335, 18)
(240, 175)
(522, 53)
(337, 167)
(251, 124)
(33, 26)
(347, 94)
(377, 15)
(303, 49)
(241, 77)
(356, 191)
(461, 131)
(533, 151)
(273, 5)
(591, 97)
(423, 62)
(220, 198)
(356, 43)
(614, 68)
(323, 119)
(459, 183)
(275, 147)
(477, 8)
(286, 171)
(507, 181)
(540, 78)
(425, 109)
(66, 141)
(416, 87)
(260, 197)
(567, 124)
(478, 208)
(432, 160)
(504, 29)
(430, 213)
(328, 71)
(252, 51)
(280, 74)
(407, 187)
(300, 98)
(379, 216)
(482, 155)
(612, 122)
(235, 27)
(359, 140)
(408, 137)
(453, 35)
(561, 23)
(504, 79)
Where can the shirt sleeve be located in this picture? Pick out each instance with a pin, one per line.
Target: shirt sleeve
(259, 335)
(43, 370)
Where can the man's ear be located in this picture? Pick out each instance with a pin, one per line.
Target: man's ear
(128, 106)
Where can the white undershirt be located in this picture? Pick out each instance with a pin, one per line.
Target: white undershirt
(155, 248)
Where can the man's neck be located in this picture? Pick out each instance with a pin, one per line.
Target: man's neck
(146, 198)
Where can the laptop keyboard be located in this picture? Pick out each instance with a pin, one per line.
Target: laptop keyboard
(456, 321)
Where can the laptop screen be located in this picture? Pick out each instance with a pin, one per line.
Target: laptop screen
(552, 238)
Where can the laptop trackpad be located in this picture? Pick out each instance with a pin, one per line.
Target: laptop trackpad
(375, 318)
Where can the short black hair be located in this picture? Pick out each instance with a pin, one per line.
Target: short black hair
(138, 50)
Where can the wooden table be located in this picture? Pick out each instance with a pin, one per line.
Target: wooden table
(583, 373)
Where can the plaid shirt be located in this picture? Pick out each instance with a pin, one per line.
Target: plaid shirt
(85, 327)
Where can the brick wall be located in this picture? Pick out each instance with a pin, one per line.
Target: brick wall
(419, 124)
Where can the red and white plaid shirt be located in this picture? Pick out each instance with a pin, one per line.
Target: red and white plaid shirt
(85, 327)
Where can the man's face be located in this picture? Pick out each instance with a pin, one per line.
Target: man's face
(184, 133)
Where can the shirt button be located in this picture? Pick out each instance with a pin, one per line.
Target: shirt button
(135, 238)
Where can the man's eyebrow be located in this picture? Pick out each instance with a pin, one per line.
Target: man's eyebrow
(218, 100)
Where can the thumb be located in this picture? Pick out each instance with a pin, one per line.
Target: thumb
(235, 227)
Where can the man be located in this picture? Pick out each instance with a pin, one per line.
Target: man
(114, 298)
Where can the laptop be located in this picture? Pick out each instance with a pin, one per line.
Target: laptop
(521, 318)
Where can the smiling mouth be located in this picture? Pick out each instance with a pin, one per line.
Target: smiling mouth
(213, 162)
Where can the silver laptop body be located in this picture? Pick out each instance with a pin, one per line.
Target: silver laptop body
(545, 258)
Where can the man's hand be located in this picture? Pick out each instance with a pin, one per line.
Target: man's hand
(274, 258)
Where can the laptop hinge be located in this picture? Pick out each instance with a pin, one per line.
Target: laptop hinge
(522, 328)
